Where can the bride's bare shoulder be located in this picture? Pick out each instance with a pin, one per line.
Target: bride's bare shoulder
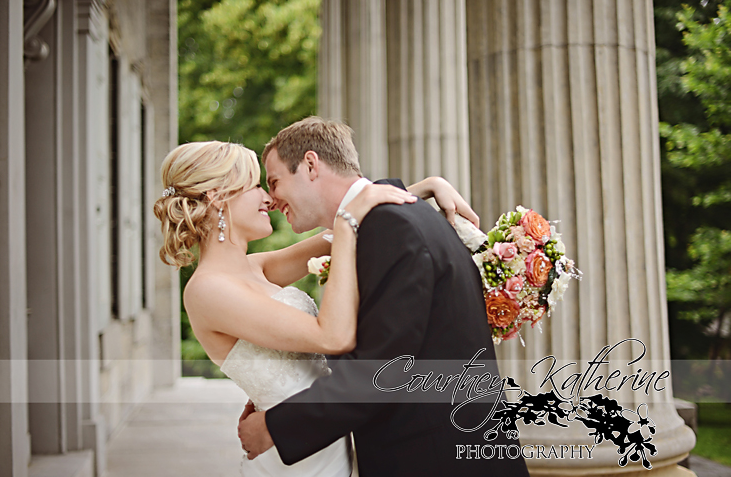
(205, 288)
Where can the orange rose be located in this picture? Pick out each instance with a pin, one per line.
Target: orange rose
(501, 310)
(536, 226)
(537, 266)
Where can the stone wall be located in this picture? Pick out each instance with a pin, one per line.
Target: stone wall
(88, 322)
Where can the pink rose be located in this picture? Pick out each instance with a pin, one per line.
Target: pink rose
(513, 286)
(505, 250)
(512, 333)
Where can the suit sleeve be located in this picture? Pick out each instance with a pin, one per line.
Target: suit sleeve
(395, 280)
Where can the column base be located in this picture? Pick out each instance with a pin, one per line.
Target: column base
(95, 439)
(672, 470)
(72, 464)
(673, 445)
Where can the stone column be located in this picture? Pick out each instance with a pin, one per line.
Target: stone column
(14, 439)
(45, 254)
(52, 224)
(427, 91)
(352, 78)
(162, 45)
(69, 225)
(563, 119)
(93, 196)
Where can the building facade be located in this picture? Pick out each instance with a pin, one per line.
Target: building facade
(89, 317)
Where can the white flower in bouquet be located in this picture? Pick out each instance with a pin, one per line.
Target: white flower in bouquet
(316, 265)
(560, 247)
(517, 266)
(470, 235)
(558, 288)
(479, 259)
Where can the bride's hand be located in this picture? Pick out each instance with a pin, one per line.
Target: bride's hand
(376, 194)
(448, 199)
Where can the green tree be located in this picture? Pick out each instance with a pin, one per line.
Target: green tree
(698, 163)
(677, 105)
(247, 68)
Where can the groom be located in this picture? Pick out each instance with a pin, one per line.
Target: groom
(420, 296)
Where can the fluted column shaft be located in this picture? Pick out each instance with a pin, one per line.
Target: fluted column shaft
(14, 438)
(352, 78)
(163, 87)
(427, 91)
(563, 119)
(396, 73)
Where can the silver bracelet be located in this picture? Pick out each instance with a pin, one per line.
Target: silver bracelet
(348, 218)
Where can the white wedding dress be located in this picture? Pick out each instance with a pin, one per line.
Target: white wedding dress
(269, 377)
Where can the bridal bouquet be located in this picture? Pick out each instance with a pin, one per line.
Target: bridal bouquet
(523, 266)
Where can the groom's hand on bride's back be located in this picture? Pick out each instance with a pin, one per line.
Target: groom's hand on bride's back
(248, 409)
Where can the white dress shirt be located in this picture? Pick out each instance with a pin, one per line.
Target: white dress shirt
(354, 190)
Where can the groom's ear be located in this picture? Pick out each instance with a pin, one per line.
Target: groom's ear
(312, 164)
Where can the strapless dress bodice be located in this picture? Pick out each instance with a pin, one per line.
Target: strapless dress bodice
(270, 376)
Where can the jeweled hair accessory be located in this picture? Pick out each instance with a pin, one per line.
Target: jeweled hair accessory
(169, 191)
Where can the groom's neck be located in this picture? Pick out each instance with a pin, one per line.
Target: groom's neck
(337, 187)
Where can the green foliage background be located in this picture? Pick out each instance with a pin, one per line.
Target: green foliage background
(693, 72)
(714, 439)
(694, 93)
(247, 68)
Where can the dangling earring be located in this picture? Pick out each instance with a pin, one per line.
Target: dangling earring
(221, 225)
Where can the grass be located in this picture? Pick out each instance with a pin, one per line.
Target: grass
(714, 432)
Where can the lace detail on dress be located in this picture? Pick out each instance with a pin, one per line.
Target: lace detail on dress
(269, 376)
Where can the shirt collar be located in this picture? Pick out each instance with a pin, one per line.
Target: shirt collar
(354, 190)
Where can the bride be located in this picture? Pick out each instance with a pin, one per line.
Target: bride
(265, 335)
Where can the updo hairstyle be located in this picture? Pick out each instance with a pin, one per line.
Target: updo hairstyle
(192, 170)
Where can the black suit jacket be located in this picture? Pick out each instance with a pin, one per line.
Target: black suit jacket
(420, 295)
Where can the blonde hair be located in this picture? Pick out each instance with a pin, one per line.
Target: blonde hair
(193, 170)
(331, 140)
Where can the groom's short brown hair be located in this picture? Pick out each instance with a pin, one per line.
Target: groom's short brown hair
(331, 140)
